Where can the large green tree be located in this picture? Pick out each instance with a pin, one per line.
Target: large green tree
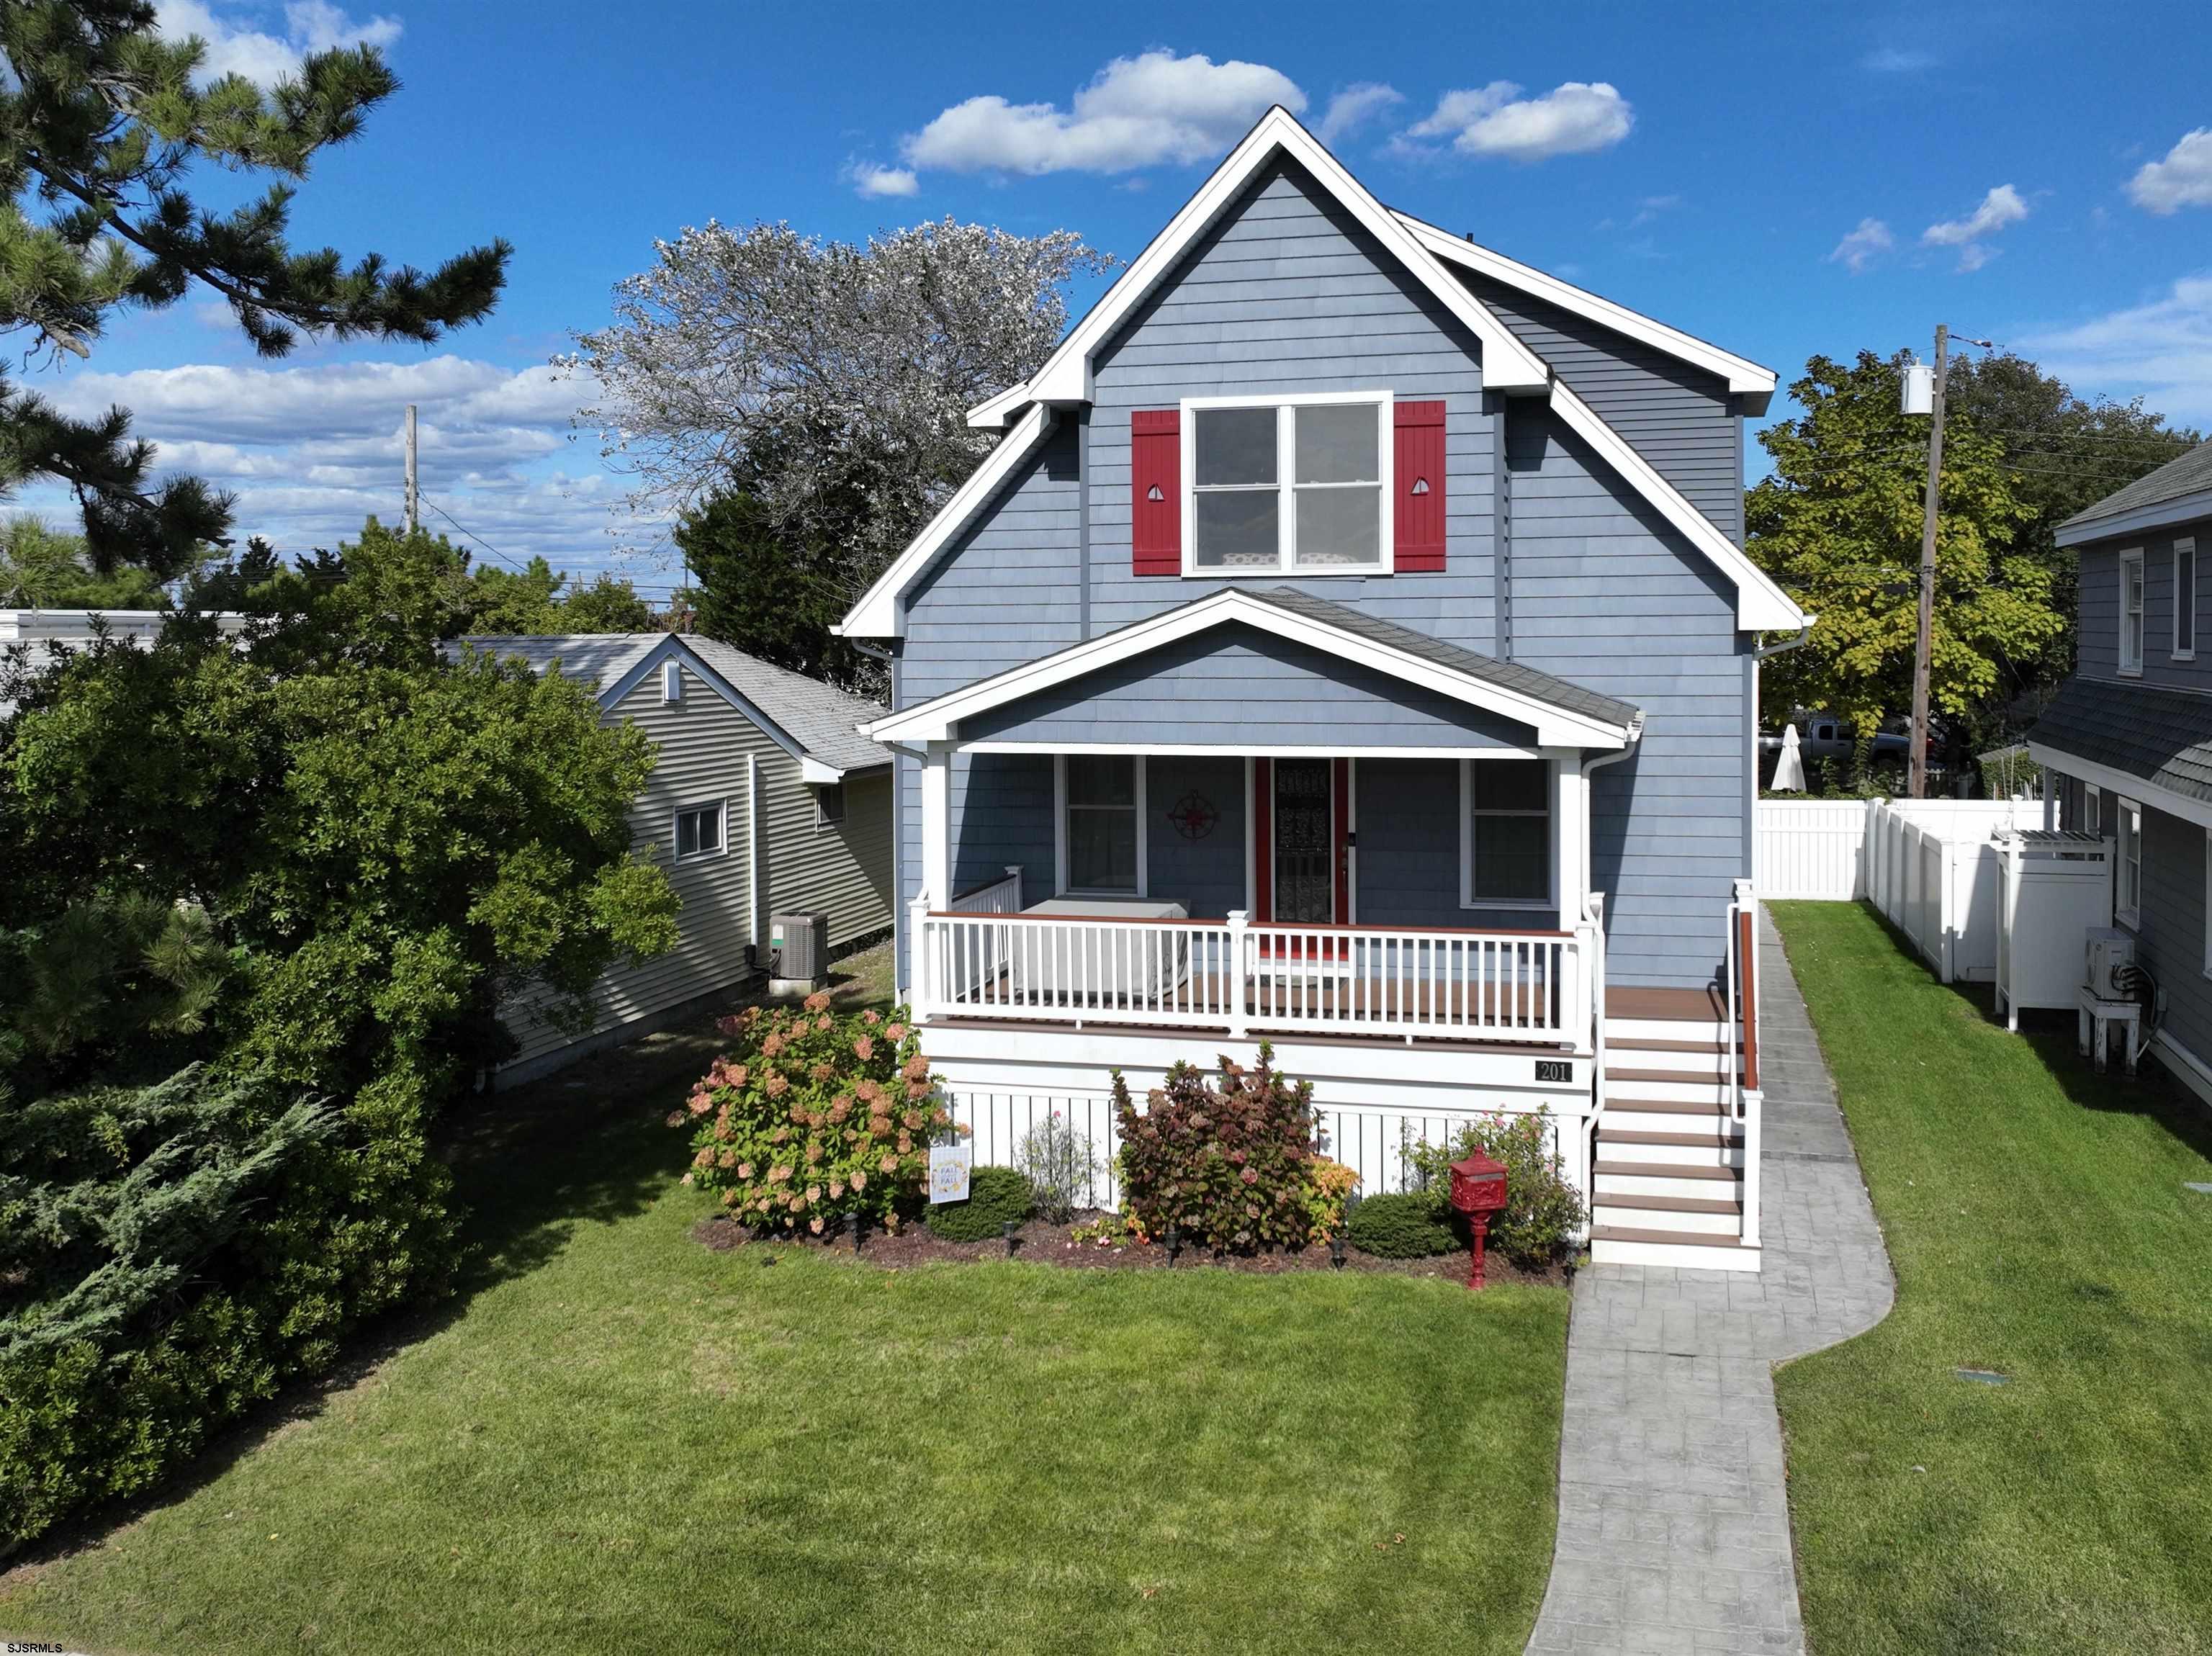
(775, 592)
(101, 120)
(1839, 524)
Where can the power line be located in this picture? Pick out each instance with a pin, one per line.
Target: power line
(473, 536)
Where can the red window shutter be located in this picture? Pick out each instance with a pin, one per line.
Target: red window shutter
(1418, 511)
(1155, 492)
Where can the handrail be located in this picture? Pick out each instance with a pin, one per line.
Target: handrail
(1743, 1005)
(1299, 926)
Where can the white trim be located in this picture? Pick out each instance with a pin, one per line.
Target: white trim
(1060, 880)
(1554, 785)
(1507, 364)
(879, 614)
(1286, 485)
(722, 846)
(2159, 514)
(2092, 808)
(2184, 543)
(1760, 605)
(995, 413)
(2133, 556)
(937, 719)
(937, 825)
(2093, 777)
(1246, 749)
(2126, 880)
(1746, 379)
(813, 770)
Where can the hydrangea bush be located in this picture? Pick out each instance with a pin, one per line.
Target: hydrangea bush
(819, 1114)
(1228, 1162)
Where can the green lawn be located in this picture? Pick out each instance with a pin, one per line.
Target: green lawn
(2038, 1221)
(621, 1441)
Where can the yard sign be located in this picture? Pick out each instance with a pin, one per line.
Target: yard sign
(948, 1165)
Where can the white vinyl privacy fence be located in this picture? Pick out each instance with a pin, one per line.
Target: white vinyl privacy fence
(1930, 865)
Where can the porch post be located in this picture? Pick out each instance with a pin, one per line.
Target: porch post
(937, 825)
(1572, 811)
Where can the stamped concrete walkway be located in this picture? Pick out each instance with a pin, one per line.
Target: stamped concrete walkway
(1674, 1522)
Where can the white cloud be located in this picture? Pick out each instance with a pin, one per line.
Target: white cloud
(1137, 111)
(2161, 350)
(312, 451)
(1353, 107)
(871, 180)
(1575, 118)
(1898, 60)
(1862, 245)
(2000, 207)
(235, 48)
(2184, 178)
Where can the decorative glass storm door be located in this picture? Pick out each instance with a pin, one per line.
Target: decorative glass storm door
(1305, 857)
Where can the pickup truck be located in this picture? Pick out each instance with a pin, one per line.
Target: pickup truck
(1820, 736)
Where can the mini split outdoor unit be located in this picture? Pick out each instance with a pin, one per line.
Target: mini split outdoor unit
(2111, 958)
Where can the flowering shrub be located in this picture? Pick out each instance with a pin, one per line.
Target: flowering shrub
(1061, 1166)
(1542, 1210)
(819, 1114)
(1329, 1187)
(1228, 1163)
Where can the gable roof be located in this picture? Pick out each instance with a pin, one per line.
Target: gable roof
(2178, 491)
(1563, 714)
(1508, 365)
(810, 720)
(1746, 379)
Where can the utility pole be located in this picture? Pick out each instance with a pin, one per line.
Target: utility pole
(1924, 645)
(414, 491)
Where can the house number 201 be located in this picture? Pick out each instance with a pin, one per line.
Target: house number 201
(1554, 1069)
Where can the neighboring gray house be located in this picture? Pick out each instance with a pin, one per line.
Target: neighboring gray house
(765, 800)
(1349, 644)
(2128, 737)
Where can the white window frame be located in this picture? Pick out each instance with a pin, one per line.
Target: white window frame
(1550, 902)
(1286, 488)
(2092, 810)
(2131, 663)
(721, 848)
(2184, 592)
(1061, 888)
(822, 791)
(2128, 861)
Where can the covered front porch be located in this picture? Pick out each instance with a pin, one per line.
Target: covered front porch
(1261, 813)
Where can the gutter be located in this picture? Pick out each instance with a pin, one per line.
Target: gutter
(1760, 652)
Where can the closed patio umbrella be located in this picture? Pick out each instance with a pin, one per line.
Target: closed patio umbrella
(1790, 769)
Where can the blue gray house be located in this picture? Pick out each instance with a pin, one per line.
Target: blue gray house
(1349, 645)
(2128, 739)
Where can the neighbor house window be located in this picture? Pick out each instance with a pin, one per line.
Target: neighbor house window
(2184, 599)
(2131, 612)
(2130, 870)
(828, 804)
(1295, 484)
(1102, 812)
(1505, 852)
(699, 830)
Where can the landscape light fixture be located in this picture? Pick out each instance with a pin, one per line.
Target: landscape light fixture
(1336, 1252)
(1174, 1242)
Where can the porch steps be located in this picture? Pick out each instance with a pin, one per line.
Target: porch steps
(1669, 1175)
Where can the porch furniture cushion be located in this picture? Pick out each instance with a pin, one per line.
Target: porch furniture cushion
(1143, 972)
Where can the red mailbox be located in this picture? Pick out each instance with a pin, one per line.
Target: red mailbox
(1478, 1190)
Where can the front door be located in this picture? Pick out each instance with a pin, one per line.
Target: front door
(1304, 859)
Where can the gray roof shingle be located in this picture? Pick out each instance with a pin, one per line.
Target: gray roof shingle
(1506, 675)
(2165, 737)
(2186, 474)
(820, 718)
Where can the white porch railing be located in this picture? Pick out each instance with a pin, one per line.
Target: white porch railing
(1534, 987)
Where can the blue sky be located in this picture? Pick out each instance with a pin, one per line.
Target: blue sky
(1783, 181)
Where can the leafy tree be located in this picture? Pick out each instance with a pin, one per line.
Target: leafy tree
(2064, 454)
(773, 596)
(827, 381)
(1839, 524)
(102, 119)
(532, 601)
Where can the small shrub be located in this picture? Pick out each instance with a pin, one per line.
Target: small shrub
(1106, 1230)
(1061, 1165)
(1226, 1162)
(819, 1114)
(1329, 1187)
(997, 1197)
(1399, 1226)
(1542, 1210)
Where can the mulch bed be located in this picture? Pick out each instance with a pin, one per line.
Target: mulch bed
(1040, 1243)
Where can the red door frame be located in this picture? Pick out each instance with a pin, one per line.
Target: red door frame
(1263, 839)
